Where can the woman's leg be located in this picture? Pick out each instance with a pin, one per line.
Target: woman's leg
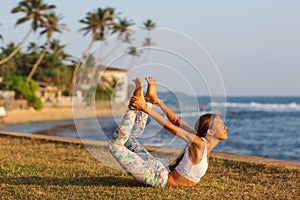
(122, 134)
(140, 123)
(150, 171)
(132, 143)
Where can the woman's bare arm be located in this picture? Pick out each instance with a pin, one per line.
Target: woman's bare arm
(174, 119)
(188, 137)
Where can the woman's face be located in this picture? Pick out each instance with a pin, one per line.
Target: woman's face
(219, 129)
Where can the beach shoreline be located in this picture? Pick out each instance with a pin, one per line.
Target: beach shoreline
(21, 116)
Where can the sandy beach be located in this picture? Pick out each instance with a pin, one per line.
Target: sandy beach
(46, 114)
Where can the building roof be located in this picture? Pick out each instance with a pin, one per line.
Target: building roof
(104, 68)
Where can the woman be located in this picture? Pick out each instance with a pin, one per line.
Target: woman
(137, 161)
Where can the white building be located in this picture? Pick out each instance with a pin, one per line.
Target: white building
(115, 79)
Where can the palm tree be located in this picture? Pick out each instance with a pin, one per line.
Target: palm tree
(148, 25)
(123, 28)
(1, 35)
(135, 54)
(36, 12)
(99, 24)
(124, 33)
(10, 47)
(33, 48)
(58, 50)
(50, 27)
(133, 51)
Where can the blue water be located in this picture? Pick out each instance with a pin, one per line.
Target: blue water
(261, 126)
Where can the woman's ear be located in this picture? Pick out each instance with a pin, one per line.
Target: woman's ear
(210, 132)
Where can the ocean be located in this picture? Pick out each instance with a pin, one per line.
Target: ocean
(260, 126)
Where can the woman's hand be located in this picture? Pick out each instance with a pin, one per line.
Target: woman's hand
(136, 103)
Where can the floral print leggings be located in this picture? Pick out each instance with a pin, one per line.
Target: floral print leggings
(132, 156)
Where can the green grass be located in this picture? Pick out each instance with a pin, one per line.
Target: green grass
(37, 169)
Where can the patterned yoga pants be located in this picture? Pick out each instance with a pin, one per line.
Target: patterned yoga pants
(132, 156)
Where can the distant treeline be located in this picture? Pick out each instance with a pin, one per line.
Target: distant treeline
(22, 66)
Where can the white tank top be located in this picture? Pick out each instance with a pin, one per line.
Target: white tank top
(190, 171)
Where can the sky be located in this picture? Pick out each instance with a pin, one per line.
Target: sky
(255, 44)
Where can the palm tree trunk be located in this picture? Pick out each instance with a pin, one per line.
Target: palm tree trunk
(113, 50)
(37, 63)
(148, 50)
(12, 54)
(84, 55)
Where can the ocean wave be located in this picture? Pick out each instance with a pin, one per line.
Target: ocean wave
(190, 113)
(255, 106)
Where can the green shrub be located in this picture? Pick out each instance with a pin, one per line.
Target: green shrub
(103, 93)
(18, 84)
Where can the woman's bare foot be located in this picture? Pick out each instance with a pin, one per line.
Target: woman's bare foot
(139, 88)
(151, 95)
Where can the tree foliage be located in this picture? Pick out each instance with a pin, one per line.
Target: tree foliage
(36, 12)
(52, 70)
(27, 91)
(49, 60)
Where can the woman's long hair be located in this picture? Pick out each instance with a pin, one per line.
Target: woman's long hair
(201, 126)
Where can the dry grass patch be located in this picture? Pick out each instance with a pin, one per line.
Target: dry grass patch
(36, 169)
